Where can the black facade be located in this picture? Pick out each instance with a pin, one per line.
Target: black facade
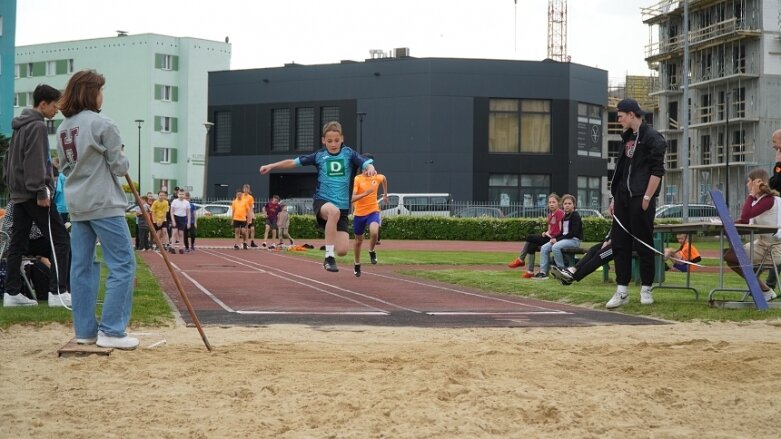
(427, 121)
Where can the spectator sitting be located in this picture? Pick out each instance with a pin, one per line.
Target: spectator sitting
(686, 252)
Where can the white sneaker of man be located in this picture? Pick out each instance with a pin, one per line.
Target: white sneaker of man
(617, 300)
(124, 343)
(769, 295)
(646, 297)
(17, 300)
(62, 299)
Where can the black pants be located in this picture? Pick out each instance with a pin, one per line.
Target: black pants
(639, 223)
(594, 258)
(533, 244)
(23, 216)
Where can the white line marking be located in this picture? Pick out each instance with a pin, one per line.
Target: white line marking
(481, 313)
(305, 313)
(336, 287)
(208, 293)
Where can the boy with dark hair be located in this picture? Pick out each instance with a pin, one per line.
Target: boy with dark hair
(30, 179)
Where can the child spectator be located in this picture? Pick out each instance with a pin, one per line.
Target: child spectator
(180, 221)
(569, 236)
(271, 209)
(191, 232)
(239, 212)
(159, 214)
(685, 252)
(141, 226)
(283, 223)
(534, 242)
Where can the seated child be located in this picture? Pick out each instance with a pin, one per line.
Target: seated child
(686, 252)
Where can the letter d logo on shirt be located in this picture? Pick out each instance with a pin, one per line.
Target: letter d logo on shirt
(335, 168)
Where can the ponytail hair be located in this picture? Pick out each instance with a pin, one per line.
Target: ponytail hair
(764, 187)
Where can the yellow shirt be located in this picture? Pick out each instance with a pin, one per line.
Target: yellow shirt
(367, 204)
(159, 211)
(239, 209)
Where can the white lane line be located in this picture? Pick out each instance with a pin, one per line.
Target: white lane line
(487, 313)
(307, 285)
(204, 290)
(309, 279)
(454, 290)
(307, 313)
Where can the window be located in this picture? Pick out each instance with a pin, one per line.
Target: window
(739, 102)
(589, 192)
(1, 25)
(519, 126)
(16, 100)
(166, 93)
(328, 114)
(51, 68)
(70, 66)
(528, 190)
(672, 154)
(166, 62)
(222, 131)
(705, 108)
(51, 128)
(165, 155)
(280, 129)
(166, 124)
(705, 155)
(17, 71)
(305, 129)
(589, 130)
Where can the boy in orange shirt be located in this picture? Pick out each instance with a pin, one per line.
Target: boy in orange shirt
(239, 213)
(366, 211)
(686, 252)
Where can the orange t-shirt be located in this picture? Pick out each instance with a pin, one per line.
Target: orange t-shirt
(239, 209)
(689, 253)
(369, 203)
(249, 201)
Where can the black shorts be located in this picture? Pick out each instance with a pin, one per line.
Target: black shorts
(239, 224)
(181, 222)
(342, 226)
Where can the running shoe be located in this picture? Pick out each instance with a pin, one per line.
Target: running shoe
(516, 263)
(330, 264)
(373, 257)
(357, 270)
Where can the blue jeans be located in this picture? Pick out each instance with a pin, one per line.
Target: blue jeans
(556, 248)
(85, 276)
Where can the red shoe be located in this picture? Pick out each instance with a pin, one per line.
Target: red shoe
(516, 263)
(528, 275)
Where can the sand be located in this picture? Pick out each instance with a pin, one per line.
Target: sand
(722, 380)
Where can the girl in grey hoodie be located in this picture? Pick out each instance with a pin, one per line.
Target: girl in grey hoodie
(92, 157)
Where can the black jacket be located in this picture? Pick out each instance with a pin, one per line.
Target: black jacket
(648, 160)
(775, 180)
(574, 228)
(28, 170)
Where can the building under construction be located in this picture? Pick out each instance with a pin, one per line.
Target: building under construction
(734, 90)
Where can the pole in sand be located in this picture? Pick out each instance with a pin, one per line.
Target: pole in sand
(175, 277)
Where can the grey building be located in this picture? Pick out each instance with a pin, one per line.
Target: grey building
(484, 130)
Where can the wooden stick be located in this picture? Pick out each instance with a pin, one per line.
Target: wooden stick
(175, 277)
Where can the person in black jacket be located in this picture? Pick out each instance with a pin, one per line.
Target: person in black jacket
(569, 236)
(598, 255)
(634, 188)
(775, 184)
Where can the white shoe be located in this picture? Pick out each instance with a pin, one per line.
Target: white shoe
(18, 300)
(90, 340)
(62, 299)
(125, 343)
(617, 300)
(646, 298)
(769, 295)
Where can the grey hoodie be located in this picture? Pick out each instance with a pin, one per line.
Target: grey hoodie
(91, 156)
(28, 169)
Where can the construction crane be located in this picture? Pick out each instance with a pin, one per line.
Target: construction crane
(557, 30)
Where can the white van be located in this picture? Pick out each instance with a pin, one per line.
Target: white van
(416, 204)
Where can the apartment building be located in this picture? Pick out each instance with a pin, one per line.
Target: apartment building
(7, 37)
(734, 91)
(156, 92)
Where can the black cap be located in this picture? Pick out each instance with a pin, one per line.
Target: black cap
(630, 106)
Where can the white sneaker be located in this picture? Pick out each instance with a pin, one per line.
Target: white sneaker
(62, 299)
(125, 343)
(769, 295)
(646, 297)
(90, 340)
(617, 300)
(18, 300)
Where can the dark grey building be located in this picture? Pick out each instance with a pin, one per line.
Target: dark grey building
(482, 130)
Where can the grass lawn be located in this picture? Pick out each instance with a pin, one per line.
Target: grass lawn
(482, 270)
(150, 307)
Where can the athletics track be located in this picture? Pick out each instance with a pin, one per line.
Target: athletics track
(258, 287)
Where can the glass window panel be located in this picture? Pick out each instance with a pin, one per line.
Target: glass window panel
(280, 129)
(535, 133)
(305, 129)
(503, 180)
(222, 131)
(535, 106)
(504, 105)
(503, 132)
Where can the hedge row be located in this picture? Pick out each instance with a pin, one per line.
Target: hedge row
(412, 227)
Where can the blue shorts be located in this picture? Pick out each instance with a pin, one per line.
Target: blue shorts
(681, 267)
(360, 222)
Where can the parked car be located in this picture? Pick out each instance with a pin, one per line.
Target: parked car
(528, 212)
(207, 210)
(590, 213)
(479, 212)
(697, 212)
(297, 206)
(420, 204)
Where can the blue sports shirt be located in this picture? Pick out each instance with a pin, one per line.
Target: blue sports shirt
(334, 173)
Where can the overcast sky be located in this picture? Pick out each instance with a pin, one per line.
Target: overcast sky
(601, 33)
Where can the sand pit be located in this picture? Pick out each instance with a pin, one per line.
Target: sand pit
(681, 380)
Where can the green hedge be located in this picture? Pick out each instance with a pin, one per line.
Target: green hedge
(413, 227)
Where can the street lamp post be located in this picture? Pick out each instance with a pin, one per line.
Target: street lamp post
(208, 125)
(360, 115)
(139, 122)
